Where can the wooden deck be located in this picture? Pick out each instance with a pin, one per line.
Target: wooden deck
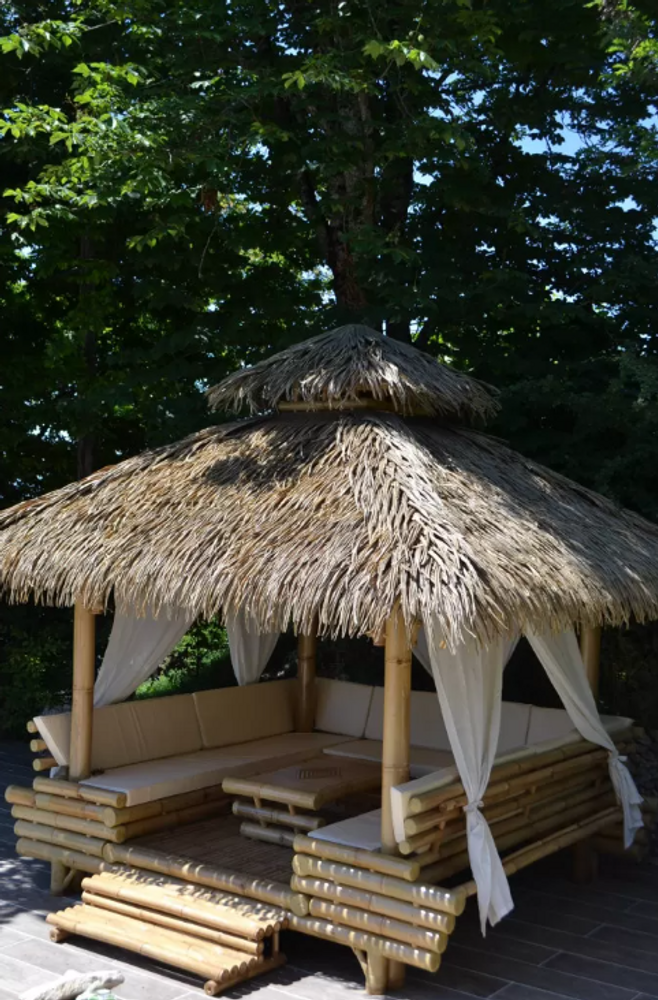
(592, 943)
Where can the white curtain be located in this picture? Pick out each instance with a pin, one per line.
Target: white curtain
(250, 649)
(136, 648)
(469, 685)
(422, 653)
(561, 658)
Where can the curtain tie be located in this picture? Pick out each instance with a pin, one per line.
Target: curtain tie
(473, 807)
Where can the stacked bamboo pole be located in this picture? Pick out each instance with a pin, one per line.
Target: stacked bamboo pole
(306, 691)
(223, 939)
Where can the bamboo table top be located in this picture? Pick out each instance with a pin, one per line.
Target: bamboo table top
(310, 784)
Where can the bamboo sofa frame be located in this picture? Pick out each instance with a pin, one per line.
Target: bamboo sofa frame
(542, 797)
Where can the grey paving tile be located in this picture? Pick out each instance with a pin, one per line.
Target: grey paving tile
(540, 977)
(59, 958)
(497, 942)
(17, 976)
(9, 937)
(606, 972)
(562, 920)
(7, 994)
(610, 951)
(516, 992)
(463, 980)
(646, 909)
(629, 939)
(595, 912)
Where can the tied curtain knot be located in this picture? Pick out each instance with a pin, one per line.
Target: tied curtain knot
(473, 807)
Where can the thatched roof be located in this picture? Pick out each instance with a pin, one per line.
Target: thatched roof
(339, 514)
(344, 365)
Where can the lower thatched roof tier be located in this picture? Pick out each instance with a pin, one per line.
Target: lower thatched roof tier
(340, 516)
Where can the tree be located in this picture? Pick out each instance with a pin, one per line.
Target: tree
(191, 185)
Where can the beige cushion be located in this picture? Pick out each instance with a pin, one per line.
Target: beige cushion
(548, 724)
(514, 723)
(342, 707)
(277, 749)
(422, 760)
(427, 725)
(363, 832)
(166, 727)
(375, 724)
(129, 733)
(158, 779)
(235, 715)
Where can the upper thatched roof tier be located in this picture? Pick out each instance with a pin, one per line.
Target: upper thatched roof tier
(339, 515)
(343, 366)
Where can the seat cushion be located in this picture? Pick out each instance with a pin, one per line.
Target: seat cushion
(421, 759)
(426, 722)
(238, 714)
(342, 707)
(157, 779)
(363, 832)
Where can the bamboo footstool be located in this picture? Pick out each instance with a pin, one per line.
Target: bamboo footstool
(307, 786)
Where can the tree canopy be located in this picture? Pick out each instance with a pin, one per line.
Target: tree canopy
(187, 186)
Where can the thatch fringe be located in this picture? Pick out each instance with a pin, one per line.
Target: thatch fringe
(340, 516)
(346, 364)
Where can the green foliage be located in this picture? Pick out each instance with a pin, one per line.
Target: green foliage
(200, 662)
(187, 187)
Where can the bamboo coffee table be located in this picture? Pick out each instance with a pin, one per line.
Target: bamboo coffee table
(308, 785)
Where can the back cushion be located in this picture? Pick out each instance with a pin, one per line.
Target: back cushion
(342, 707)
(375, 723)
(129, 733)
(427, 725)
(166, 727)
(548, 724)
(514, 722)
(240, 714)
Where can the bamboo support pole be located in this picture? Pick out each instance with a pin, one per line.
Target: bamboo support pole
(161, 807)
(43, 763)
(59, 855)
(419, 916)
(61, 838)
(306, 666)
(212, 988)
(57, 786)
(267, 834)
(500, 773)
(364, 941)
(186, 952)
(432, 897)
(372, 860)
(219, 911)
(554, 822)
(397, 698)
(207, 875)
(69, 807)
(374, 923)
(550, 845)
(590, 648)
(84, 826)
(82, 704)
(175, 923)
(17, 796)
(278, 816)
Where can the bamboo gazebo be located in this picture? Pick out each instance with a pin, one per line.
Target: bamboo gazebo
(359, 499)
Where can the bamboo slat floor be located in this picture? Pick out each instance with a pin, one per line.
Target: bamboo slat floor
(217, 841)
(597, 942)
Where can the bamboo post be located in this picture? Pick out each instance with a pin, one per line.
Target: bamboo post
(590, 648)
(82, 706)
(584, 857)
(395, 762)
(306, 659)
